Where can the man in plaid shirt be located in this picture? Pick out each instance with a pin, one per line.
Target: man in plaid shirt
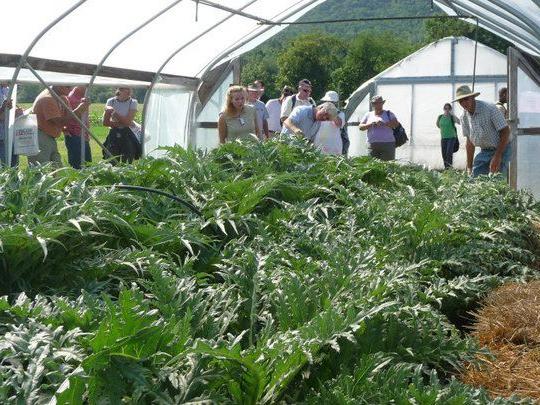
(485, 127)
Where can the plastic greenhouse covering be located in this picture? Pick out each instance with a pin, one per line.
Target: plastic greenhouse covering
(416, 89)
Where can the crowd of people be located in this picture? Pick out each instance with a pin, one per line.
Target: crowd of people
(55, 116)
(245, 116)
(297, 113)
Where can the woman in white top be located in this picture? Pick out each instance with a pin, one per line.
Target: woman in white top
(119, 115)
(328, 138)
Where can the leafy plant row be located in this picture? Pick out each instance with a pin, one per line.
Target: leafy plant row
(307, 279)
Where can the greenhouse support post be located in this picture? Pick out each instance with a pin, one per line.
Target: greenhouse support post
(22, 61)
(68, 109)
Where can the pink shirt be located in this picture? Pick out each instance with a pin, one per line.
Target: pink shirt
(73, 127)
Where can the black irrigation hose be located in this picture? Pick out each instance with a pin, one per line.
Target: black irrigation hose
(164, 193)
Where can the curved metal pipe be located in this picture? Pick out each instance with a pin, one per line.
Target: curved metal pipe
(22, 61)
(254, 33)
(172, 55)
(116, 45)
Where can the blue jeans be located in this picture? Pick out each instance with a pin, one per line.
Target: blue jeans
(447, 150)
(483, 159)
(73, 146)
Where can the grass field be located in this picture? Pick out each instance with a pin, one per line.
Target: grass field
(96, 112)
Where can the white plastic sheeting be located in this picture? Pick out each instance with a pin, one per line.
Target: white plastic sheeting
(518, 21)
(528, 146)
(167, 119)
(87, 33)
(415, 90)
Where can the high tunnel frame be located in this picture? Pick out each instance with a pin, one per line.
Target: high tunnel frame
(24, 62)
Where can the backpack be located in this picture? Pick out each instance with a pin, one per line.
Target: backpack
(399, 132)
(294, 102)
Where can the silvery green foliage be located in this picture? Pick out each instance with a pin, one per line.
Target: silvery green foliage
(309, 279)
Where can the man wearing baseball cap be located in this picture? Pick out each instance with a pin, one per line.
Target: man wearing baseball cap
(485, 127)
(298, 99)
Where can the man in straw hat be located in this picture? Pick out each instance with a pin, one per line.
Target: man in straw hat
(484, 126)
(254, 91)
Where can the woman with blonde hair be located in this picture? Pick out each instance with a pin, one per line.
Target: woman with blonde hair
(237, 120)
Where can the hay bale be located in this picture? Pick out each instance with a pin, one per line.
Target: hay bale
(508, 324)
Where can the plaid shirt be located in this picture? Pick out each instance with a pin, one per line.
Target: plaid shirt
(483, 126)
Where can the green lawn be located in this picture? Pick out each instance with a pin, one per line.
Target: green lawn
(96, 112)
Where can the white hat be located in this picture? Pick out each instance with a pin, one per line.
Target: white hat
(331, 96)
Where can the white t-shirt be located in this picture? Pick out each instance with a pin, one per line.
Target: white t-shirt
(287, 107)
(123, 108)
(328, 138)
(274, 114)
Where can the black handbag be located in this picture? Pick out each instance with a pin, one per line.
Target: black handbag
(399, 133)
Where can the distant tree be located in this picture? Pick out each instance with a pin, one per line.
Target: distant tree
(369, 54)
(442, 27)
(312, 56)
(261, 66)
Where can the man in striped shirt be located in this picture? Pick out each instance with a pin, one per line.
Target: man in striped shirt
(484, 126)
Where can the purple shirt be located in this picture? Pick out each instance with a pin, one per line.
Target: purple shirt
(379, 133)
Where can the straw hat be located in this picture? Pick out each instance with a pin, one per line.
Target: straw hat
(377, 99)
(464, 92)
(331, 96)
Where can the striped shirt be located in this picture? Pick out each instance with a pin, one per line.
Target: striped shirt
(483, 126)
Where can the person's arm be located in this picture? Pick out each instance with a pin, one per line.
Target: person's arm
(290, 124)
(495, 164)
(437, 122)
(499, 122)
(66, 117)
(364, 125)
(456, 119)
(106, 121)
(222, 129)
(265, 130)
(124, 120)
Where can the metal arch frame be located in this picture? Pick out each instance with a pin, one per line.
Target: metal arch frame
(22, 61)
(492, 26)
(171, 56)
(231, 10)
(249, 37)
(253, 34)
(518, 18)
(109, 52)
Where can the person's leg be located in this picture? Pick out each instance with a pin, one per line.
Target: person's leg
(87, 152)
(388, 151)
(73, 146)
(45, 150)
(445, 148)
(450, 152)
(481, 163)
(55, 157)
(374, 150)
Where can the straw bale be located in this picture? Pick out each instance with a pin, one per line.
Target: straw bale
(508, 324)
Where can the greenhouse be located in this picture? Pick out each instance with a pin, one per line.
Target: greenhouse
(417, 87)
(266, 272)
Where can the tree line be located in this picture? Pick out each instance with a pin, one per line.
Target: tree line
(341, 63)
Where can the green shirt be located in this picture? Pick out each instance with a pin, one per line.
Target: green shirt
(447, 127)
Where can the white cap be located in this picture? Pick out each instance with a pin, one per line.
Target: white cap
(331, 96)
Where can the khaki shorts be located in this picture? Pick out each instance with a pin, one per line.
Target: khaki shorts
(48, 151)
